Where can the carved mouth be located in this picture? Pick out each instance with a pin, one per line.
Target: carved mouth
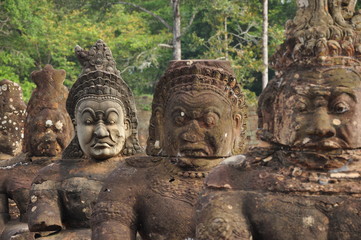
(102, 144)
(194, 151)
(48, 149)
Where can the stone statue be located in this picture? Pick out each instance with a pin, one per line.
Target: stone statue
(103, 112)
(306, 183)
(48, 130)
(198, 118)
(12, 116)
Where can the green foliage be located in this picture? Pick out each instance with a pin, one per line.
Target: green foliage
(37, 32)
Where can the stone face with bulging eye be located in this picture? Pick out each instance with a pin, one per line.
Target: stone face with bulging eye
(101, 128)
(198, 124)
(322, 109)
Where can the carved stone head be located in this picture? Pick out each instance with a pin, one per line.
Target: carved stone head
(48, 127)
(317, 108)
(102, 108)
(313, 103)
(12, 116)
(198, 111)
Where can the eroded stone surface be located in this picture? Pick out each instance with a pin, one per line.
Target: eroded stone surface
(102, 109)
(306, 183)
(43, 143)
(12, 117)
(198, 117)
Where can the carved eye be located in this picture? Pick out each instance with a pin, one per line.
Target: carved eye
(88, 121)
(110, 121)
(301, 107)
(211, 119)
(179, 120)
(340, 108)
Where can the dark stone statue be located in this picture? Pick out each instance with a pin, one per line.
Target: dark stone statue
(12, 116)
(48, 130)
(306, 183)
(104, 115)
(198, 118)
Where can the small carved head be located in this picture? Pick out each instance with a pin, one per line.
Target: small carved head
(48, 127)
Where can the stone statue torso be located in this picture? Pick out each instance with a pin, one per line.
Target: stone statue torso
(159, 202)
(77, 183)
(280, 203)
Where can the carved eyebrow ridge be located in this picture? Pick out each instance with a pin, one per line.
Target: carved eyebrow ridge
(89, 110)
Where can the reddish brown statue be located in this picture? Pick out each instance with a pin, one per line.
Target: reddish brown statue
(12, 116)
(103, 112)
(198, 117)
(48, 130)
(306, 184)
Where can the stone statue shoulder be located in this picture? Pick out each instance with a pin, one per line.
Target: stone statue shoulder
(142, 161)
(235, 172)
(20, 159)
(49, 172)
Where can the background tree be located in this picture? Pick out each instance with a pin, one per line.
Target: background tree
(36, 32)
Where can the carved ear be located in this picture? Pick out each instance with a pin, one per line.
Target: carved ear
(237, 132)
(237, 122)
(127, 128)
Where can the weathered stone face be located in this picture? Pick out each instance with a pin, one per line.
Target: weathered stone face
(101, 128)
(103, 112)
(319, 110)
(213, 85)
(305, 184)
(48, 127)
(199, 124)
(12, 116)
(198, 116)
(50, 133)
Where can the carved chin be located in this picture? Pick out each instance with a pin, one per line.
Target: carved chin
(102, 153)
(48, 149)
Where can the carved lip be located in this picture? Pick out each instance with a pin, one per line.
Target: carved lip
(102, 144)
(332, 143)
(195, 150)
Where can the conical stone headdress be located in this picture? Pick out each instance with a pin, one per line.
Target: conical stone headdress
(48, 99)
(324, 33)
(101, 79)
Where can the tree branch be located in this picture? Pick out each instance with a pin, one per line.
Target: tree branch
(165, 45)
(160, 19)
(186, 29)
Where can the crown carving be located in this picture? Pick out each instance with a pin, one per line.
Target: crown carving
(97, 58)
(323, 32)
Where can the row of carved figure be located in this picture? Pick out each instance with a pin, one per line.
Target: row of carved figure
(198, 119)
(83, 175)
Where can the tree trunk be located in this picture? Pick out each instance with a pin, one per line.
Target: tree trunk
(177, 52)
(265, 44)
(226, 37)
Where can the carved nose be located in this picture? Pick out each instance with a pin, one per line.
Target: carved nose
(320, 125)
(101, 131)
(193, 132)
(49, 137)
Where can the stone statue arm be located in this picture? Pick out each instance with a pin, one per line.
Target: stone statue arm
(4, 210)
(115, 215)
(44, 209)
(220, 216)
